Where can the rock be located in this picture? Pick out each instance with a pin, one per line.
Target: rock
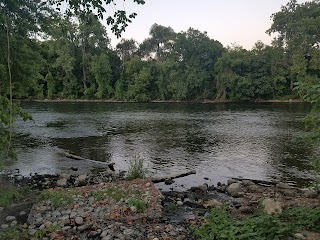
(82, 178)
(128, 232)
(213, 203)
(47, 224)
(13, 223)
(62, 182)
(169, 181)
(92, 234)
(148, 184)
(230, 181)
(73, 214)
(4, 226)
(64, 176)
(234, 189)
(271, 207)
(83, 227)
(66, 228)
(133, 209)
(22, 213)
(299, 236)
(10, 218)
(79, 220)
(39, 221)
(179, 203)
(253, 188)
(221, 188)
(283, 185)
(203, 187)
(246, 209)
(310, 193)
(104, 233)
(56, 213)
(247, 183)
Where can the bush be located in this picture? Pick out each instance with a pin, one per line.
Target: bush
(138, 204)
(8, 196)
(219, 225)
(303, 217)
(136, 169)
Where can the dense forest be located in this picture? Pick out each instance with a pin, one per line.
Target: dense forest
(50, 54)
(54, 55)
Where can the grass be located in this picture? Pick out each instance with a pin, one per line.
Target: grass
(58, 198)
(136, 169)
(116, 194)
(138, 204)
(13, 233)
(8, 196)
(41, 233)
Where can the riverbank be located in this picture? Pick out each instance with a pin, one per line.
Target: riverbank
(106, 206)
(160, 101)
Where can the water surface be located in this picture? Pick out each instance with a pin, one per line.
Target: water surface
(220, 140)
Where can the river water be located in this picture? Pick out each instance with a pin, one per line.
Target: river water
(218, 140)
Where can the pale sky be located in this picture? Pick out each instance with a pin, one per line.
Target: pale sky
(243, 22)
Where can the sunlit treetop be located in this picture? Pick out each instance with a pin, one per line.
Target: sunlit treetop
(118, 21)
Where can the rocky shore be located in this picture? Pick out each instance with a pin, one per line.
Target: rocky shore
(106, 206)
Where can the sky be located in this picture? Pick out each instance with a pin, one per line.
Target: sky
(242, 22)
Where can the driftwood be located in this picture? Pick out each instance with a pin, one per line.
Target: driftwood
(263, 183)
(163, 179)
(76, 157)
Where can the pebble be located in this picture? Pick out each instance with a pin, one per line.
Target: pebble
(128, 232)
(4, 226)
(10, 218)
(73, 214)
(22, 213)
(179, 203)
(13, 223)
(79, 220)
(66, 228)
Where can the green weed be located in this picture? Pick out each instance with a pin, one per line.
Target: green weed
(138, 204)
(13, 233)
(116, 194)
(57, 198)
(219, 225)
(8, 196)
(303, 217)
(41, 233)
(136, 169)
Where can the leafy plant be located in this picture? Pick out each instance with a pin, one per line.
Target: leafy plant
(116, 194)
(136, 169)
(8, 196)
(57, 198)
(219, 225)
(41, 233)
(138, 204)
(13, 233)
(303, 217)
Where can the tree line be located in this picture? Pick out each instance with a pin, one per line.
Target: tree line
(70, 56)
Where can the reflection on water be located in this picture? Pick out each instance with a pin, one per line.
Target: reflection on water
(218, 140)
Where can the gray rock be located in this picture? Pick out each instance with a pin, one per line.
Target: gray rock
(22, 213)
(73, 214)
(62, 182)
(83, 227)
(13, 223)
(230, 181)
(283, 185)
(66, 228)
(79, 220)
(104, 233)
(253, 188)
(310, 193)
(32, 232)
(47, 224)
(4, 226)
(128, 232)
(234, 189)
(108, 237)
(299, 236)
(213, 203)
(179, 203)
(56, 213)
(64, 176)
(10, 218)
(92, 234)
(247, 183)
(82, 178)
(271, 207)
(39, 221)
(221, 188)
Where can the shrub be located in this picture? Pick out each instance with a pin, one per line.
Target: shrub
(136, 169)
(303, 217)
(8, 196)
(219, 225)
(138, 204)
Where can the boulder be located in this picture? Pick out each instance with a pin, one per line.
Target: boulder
(283, 185)
(271, 207)
(253, 188)
(221, 188)
(82, 178)
(234, 189)
(212, 203)
(65, 176)
(62, 182)
(247, 183)
(230, 181)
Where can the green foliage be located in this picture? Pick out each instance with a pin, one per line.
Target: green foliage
(13, 233)
(219, 225)
(8, 196)
(302, 218)
(138, 204)
(136, 169)
(115, 193)
(58, 198)
(41, 233)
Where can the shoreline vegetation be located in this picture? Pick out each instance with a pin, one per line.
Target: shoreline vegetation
(161, 101)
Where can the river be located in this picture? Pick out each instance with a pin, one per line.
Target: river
(218, 140)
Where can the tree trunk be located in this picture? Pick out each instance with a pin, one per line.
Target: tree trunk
(84, 73)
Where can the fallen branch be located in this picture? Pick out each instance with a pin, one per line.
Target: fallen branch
(76, 157)
(163, 179)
